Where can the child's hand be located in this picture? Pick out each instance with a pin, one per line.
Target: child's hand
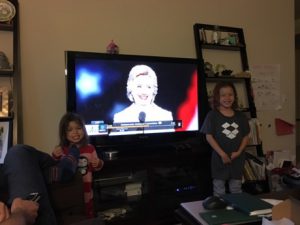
(95, 162)
(57, 152)
(234, 155)
(225, 158)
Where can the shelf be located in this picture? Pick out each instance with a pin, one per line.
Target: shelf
(6, 73)
(11, 77)
(168, 176)
(218, 78)
(220, 28)
(6, 27)
(222, 47)
(150, 209)
(256, 187)
(9, 118)
(233, 35)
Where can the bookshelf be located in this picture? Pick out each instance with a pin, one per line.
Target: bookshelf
(222, 51)
(10, 81)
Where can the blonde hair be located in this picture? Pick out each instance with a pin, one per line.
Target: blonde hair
(141, 70)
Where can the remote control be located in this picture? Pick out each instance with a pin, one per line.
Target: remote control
(35, 196)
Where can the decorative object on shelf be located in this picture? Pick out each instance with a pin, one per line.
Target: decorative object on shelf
(224, 41)
(112, 48)
(219, 69)
(233, 39)
(4, 64)
(7, 11)
(4, 100)
(216, 35)
(203, 36)
(208, 68)
(226, 72)
(5, 138)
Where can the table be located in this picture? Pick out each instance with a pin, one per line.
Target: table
(188, 214)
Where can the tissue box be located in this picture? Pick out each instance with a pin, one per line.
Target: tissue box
(289, 208)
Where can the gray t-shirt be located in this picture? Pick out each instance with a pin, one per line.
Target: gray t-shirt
(229, 133)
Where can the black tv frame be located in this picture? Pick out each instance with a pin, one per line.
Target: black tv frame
(135, 142)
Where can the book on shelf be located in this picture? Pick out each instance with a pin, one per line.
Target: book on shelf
(257, 165)
(254, 136)
(249, 204)
(254, 168)
(258, 169)
(248, 172)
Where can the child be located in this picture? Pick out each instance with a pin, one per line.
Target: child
(72, 134)
(227, 133)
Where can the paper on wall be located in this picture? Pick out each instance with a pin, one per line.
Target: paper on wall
(265, 79)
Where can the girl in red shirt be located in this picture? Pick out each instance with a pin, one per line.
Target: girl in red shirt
(72, 134)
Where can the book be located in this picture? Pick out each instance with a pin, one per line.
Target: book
(248, 172)
(224, 216)
(249, 204)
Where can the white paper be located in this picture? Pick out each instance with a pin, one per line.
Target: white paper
(283, 221)
(272, 201)
(265, 81)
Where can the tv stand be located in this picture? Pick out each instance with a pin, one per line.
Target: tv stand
(149, 183)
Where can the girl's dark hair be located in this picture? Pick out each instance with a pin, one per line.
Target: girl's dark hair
(216, 94)
(63, 127)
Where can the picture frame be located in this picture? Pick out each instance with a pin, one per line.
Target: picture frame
(5, 137)
(4, 102)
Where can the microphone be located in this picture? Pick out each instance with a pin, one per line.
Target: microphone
(142, 117)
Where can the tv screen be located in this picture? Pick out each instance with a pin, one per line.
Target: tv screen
(131, 98)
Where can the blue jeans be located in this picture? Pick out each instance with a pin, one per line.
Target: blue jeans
(24, 168)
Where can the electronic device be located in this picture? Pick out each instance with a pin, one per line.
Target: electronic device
(35, 196)
(96, 89)
(214, 202)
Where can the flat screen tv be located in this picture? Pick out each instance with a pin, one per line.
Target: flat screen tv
(129, 100)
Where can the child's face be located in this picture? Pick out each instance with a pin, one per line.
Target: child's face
(226, 97)
(75, 133)
(142, 91)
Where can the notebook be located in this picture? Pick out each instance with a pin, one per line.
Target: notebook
(222, 216)
(249, 204)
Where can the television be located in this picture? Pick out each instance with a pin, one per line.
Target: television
(101, 88)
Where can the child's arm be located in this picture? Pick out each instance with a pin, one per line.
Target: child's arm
(96, 162)
(243, 145)
(214, 144)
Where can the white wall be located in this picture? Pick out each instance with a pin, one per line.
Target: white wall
(153, 27)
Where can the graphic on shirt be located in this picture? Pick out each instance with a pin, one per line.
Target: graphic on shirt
(83, 165)
(230, 130)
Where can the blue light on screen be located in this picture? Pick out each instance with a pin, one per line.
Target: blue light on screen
(88, 83)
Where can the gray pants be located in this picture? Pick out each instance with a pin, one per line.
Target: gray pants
(235, 186)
